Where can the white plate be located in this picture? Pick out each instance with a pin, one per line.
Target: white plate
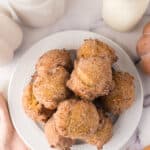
(32, 135)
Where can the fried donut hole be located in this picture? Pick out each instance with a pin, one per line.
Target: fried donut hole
(96, 48)
(90, 78)
(33, 108)
(52, 59)
(102, 135)
(104, 132)
(76, 118)
(122, 96)
(54, 138)
(50, 88)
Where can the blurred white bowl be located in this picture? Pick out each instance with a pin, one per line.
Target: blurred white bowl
(38, 13)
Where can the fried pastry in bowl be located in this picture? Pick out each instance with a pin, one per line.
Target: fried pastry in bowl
(52, 59)
(90, 78)
(33, 108)
(103, 132)
(55, 140)
(102, 135)
(123, 94)
(76, 118)
(96, 48)
(49, 88)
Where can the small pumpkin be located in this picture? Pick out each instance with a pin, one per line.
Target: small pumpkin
(147, 148)
(143, 49)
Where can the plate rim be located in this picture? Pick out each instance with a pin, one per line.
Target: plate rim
(67, 31)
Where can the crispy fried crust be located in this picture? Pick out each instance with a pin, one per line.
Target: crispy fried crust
(90, 78)
(102, 135)
(54, 139)
(52, 59)
(33, 108)
(96, 48)
(50, 88)
(122, 96)
(76, 118)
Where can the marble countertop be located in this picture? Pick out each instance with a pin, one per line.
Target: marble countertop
(86, 15)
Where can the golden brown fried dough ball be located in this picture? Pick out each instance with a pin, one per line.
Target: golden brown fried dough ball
(93, 70)
(33, 108)
(96, 48)
(76, 118)
(102, 135)
(50, 88)
(52, 59)
(92, 77)
(122, 96)
(54, 139)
